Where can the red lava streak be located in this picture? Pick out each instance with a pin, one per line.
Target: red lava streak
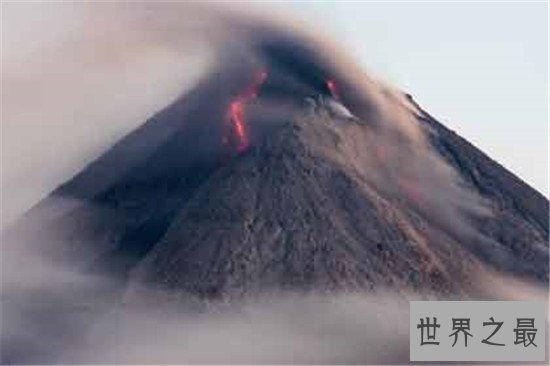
(237, 108)
(331, 85)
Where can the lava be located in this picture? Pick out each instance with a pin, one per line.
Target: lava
(331, 85)
(237, 115)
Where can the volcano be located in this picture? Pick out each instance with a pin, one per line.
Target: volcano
(287, 173)
(287, 170)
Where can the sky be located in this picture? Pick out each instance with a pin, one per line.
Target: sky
(480, 68)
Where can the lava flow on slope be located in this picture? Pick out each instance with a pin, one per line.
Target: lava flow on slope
(331, 85)
(236, 114)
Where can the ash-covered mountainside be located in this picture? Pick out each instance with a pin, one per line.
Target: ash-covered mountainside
(287, 170)
(290, 214)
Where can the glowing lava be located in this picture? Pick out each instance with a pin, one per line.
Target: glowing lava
(236, 112)
(331, 85)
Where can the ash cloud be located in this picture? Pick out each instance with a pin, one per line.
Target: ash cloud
(145, 55)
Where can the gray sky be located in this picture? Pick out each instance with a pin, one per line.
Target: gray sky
(480, 68)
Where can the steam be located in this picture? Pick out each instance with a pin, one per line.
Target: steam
(286, 328)
(74, 83)
(74, 318)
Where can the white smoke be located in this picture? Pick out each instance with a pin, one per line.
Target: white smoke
(72, 318)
